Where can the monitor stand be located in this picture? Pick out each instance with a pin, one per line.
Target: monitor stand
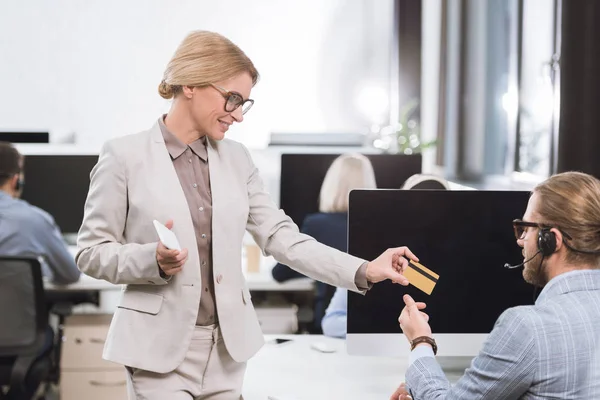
(455, 351)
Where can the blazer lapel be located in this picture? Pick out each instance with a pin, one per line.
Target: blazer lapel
(183, 227)
(217, 194)
(214, 168)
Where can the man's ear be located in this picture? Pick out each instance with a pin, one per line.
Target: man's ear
(559, 239)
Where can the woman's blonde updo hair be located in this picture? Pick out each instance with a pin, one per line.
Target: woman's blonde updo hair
(202, 58)
(347, 172)
(570, 201)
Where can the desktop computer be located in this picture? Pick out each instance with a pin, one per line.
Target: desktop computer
(59, 184)
(465, 237)
(302, 176)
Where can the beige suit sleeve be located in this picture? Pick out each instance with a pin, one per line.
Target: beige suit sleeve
(102, 252)
(277, 235)
(360, 279)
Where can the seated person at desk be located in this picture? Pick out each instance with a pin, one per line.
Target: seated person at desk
(26, 230)
(336, 315)
(330, 225)
(543, 351)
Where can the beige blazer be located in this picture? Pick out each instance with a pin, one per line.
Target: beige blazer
(134, 183)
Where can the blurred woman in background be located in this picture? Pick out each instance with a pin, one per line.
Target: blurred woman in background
(330, 225)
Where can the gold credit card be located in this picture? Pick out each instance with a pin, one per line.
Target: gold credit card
(421, 277)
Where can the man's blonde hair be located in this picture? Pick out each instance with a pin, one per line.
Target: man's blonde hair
(203, 58)
(347, 172)
(570, 201)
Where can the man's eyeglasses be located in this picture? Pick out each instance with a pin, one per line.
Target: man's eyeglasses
(521, 226)
(233, 100)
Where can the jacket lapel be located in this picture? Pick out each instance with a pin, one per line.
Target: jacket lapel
(218, 194)
(183, 226)
(214, 168)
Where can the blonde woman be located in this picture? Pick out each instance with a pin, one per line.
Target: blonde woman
(330, 225)
(185, 324)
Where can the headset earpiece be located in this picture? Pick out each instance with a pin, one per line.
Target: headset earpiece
(546, 242)
(19, 184)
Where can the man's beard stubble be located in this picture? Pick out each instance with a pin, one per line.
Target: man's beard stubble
(534, 273)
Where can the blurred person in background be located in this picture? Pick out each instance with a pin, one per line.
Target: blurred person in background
(26, 230)
(330, 225)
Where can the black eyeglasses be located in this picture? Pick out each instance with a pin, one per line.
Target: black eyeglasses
(233, 100)
(521, 226)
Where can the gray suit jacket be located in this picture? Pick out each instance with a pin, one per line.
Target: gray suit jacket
(547, 351)
(135, 182)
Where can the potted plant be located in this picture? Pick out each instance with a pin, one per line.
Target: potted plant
(403, 137)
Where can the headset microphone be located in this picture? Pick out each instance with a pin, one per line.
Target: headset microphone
(507, 265)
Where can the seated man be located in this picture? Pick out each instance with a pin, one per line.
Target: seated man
(26, 230)
(542, 351)
(334, 321)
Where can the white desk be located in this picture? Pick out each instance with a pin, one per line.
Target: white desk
(262, 280)
(255, 281)
(110, 293)
(294, 371)
(84, 283)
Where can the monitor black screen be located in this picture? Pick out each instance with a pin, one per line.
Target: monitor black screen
(59, 185)
(25, 137)
(464, 236)
(302, 176)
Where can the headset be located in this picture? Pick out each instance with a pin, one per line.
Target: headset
(19, 185)
(546, 243)
(20, 182)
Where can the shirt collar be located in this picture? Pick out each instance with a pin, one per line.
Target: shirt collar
(572, 281)
(176, 147)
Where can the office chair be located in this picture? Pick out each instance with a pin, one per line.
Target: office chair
(426, 181)
(25, 337)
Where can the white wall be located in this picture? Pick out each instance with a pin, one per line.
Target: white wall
(92, 67)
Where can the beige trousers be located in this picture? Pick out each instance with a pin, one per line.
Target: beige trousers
(207, 373)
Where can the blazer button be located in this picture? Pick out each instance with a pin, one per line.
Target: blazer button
(219, 278)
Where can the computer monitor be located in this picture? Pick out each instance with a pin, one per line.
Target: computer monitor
(25, 137)
(464, 236)
(302, 176)
(59, 185)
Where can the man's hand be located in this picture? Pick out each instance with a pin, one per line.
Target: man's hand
(401, 393)
(390, 265)
(413, 321)
(170, 261)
